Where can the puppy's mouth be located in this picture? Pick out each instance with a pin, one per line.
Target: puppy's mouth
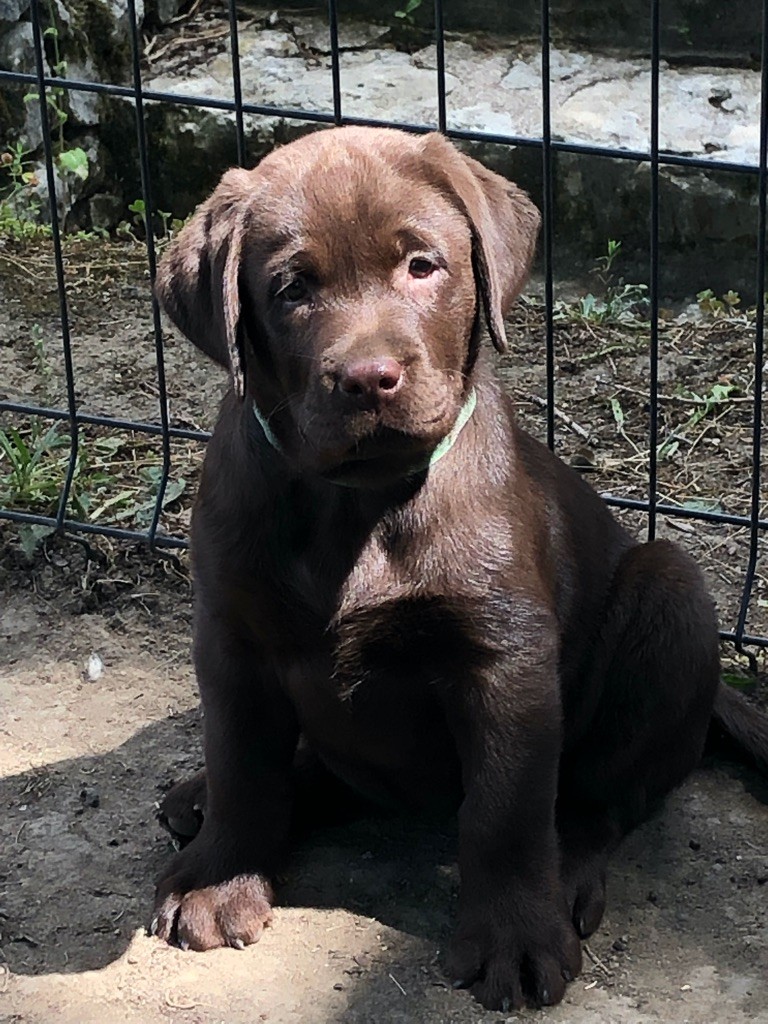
(380, 459)
(387, 454)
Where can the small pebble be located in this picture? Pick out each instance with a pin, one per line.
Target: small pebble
(94, 668)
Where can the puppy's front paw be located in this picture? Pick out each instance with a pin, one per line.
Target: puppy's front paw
(508, 964)
(200, 905)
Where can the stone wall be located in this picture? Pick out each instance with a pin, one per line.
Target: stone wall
(493, 86)
(689, 28)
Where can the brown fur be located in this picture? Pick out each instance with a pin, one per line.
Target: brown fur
(480, 633)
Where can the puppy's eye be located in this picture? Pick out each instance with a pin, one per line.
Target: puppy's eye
(296, 290)
(421, 267)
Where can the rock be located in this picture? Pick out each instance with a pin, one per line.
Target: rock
(613, 109)
(116, 16)
(380, 83)
(94, 668)
(313, 32)
(89, 797)
(105, 210)
(598, 100)
(17, 51)
(83, 106)
(12, 10)
(689, 28)
(523, 75)
(162, 11)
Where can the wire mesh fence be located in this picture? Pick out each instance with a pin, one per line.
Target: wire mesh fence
(545, 147)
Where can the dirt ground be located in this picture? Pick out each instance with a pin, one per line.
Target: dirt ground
(365, 909)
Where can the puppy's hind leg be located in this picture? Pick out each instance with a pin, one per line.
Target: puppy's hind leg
(182, 809)
(653, 681)
(320, 798)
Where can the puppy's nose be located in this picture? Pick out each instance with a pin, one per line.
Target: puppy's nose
(371, 380)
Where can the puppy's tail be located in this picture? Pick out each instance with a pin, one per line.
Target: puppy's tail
(740, 727)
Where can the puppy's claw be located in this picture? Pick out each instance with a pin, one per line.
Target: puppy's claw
(154, 924)
(183, 945)
(567, 976)
(238, 944)
(546, 999)
(459, 983)
(505, 1005)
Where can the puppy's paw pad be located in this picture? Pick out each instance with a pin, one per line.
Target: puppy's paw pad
(233, 913)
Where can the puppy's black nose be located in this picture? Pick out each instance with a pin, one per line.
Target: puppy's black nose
(371, 381)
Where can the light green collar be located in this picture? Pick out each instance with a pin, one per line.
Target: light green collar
(450, 439)
(268, 433)
(434, 457)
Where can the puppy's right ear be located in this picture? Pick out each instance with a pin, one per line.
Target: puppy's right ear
(197, 282)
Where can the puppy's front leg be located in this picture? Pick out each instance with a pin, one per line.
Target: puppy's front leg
(514, 942)
(217, 891)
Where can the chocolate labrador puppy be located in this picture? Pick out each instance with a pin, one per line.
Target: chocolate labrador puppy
(389, 567)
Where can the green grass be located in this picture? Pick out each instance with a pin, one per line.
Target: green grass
(116, 477)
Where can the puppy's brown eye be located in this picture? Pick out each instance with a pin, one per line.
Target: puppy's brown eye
(296, 290)
(420, 266)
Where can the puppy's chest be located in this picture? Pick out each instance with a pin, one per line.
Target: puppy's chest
(329, 567)
(386, 601)
(372, 702)
(372, 612)
(395, 622)
(371, 694)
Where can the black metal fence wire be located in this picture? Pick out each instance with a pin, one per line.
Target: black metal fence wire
(652, 507)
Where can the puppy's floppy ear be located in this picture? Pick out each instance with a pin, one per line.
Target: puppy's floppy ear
(504, 224)
(197, 280)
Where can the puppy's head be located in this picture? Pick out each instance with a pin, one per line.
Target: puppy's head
(342, 282)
